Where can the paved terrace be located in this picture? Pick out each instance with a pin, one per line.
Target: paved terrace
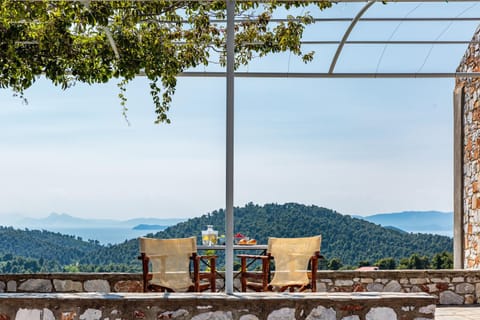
(457, 313)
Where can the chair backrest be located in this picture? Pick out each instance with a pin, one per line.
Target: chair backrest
(291, 256)
(170, 261)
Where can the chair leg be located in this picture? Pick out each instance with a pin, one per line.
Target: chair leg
(243, 272)
(266, 273)
(213, 272)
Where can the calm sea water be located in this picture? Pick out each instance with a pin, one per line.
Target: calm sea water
(104, 235)
(119, 235)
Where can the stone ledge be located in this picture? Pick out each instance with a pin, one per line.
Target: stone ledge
(238, 296)
(248, 306)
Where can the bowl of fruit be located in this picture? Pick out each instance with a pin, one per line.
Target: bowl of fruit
(249, 242)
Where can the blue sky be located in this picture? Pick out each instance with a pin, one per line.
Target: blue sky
(358, 146)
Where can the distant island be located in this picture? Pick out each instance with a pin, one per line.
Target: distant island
(149, 227)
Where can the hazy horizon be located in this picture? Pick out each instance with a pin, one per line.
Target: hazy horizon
(16, 216)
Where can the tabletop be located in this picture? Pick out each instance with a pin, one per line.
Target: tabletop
(235, 247)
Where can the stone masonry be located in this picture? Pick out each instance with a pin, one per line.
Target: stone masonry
(447, 287)
(470, 90)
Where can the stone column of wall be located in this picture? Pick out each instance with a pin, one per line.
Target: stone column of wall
(471, 154)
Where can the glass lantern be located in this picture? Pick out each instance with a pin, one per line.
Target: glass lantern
(209, 236)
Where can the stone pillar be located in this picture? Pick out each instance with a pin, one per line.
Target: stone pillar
(467, 161)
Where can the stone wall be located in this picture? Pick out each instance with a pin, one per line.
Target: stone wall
(446, 286)
(216, 306)
(468, 91)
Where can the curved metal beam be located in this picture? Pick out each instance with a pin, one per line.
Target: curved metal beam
(347, 34)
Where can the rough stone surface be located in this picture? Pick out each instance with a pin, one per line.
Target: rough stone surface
(343, 283)
(69, 315)
(465, 288)
(458, 279)
(128, 286)
(427, 309)
(282, 314)
(375, 287)
(28, 314)
(48, 315)
(11, 286)
(322, 313)
(249, 317)
(449, 297)
(217, 315)
(96, 286)
(91, 314)
(180, 313)
(67, 286)
(392, 286)
(381, 313)
(2, 286)
(36, 285)
(351, 318)
(321, 287)
(418, 281)
(469, 299)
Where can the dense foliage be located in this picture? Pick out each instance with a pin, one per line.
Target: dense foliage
(349, 239)
(95, 41)
(346, 242)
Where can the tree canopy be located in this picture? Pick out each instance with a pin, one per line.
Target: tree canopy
(95, 41)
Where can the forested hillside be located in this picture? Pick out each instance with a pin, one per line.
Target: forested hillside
(349, 239)
(346, 241)
(34, 250)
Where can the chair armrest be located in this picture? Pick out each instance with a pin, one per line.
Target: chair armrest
(207, 257)
(251, 256)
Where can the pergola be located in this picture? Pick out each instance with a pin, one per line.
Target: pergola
(361, 15)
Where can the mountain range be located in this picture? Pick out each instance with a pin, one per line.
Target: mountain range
(415, 221)
(63, 220)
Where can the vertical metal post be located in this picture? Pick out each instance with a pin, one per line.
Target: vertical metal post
(229, 137)
(458, 209)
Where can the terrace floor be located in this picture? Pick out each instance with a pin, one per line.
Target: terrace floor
(457, 313)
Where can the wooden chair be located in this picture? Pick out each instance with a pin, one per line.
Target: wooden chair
(292, 258)
(167, 266)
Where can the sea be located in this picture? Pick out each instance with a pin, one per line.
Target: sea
(104, 236)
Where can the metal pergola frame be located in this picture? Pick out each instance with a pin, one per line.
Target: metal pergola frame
(230, 75)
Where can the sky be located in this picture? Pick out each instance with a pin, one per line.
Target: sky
(357, 146)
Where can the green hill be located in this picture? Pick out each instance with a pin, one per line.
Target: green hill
(40, 251)
(350, 239)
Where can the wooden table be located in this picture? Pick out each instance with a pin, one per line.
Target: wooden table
(236, 247)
